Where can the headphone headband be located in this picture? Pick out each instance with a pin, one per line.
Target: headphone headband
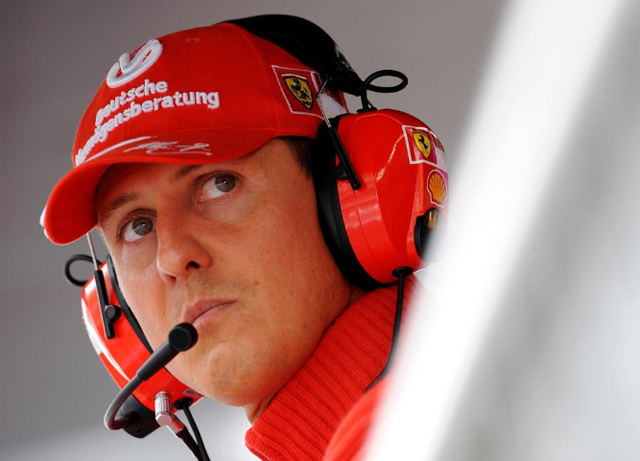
(310, 44)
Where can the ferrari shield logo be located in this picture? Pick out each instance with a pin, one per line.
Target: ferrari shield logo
(300, 90)
(423, 143)
(423, 146)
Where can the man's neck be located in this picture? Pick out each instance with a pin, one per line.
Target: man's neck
(253, 410)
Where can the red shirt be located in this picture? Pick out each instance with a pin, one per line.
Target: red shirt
(303, 421)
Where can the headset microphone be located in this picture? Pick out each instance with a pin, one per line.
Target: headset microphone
(181, 338)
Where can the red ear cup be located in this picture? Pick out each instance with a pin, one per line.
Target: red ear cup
(387, 222)
(127, 351)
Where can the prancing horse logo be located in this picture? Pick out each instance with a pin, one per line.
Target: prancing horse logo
(422, 142)
(300, 89)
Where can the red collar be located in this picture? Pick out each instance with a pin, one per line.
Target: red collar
(301, 419)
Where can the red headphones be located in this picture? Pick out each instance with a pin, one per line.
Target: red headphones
(387, 222)
(381, 186)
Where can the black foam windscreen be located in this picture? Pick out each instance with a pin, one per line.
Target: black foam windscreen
(182, 337)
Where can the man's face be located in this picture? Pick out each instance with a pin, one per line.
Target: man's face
(234, 248)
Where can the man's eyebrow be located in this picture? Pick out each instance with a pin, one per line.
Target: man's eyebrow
(184, 171)
(115, 204)
(124, 199)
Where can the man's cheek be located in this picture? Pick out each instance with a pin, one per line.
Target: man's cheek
(147, 310)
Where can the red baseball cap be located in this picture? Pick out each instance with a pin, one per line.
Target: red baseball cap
(197, 96)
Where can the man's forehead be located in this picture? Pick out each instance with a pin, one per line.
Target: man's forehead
(129, 175)
(137, 173)
(123, 183)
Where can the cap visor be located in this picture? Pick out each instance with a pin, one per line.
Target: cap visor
(70, 211)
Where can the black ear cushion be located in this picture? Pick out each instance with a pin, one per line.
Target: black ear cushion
(124, 306)
(323, 167)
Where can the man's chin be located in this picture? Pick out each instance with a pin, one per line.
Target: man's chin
(213, 375)
(248, 391)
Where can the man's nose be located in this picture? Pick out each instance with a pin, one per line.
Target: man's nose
(180, 250)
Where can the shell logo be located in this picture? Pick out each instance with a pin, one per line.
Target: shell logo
(437, 187)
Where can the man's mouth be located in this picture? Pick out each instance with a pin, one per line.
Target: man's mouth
(196, 312)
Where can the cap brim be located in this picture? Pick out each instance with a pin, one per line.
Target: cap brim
(70, 212)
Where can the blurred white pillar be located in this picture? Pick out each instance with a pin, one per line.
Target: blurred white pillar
(544, 56)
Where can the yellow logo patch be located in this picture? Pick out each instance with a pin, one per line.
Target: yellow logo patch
(437, 187)
(423, 143)
(300, 90)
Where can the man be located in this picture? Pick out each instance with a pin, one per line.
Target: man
(193, 161)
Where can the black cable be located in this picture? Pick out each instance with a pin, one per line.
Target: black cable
(110, 416)
(185, 436)
(67, 269)
(400, 273)
(183, 405)
(368, 86)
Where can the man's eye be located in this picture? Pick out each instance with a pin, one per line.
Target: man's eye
(137, 228)
(217, 186)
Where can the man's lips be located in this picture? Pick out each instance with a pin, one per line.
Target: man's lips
(195, 311)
